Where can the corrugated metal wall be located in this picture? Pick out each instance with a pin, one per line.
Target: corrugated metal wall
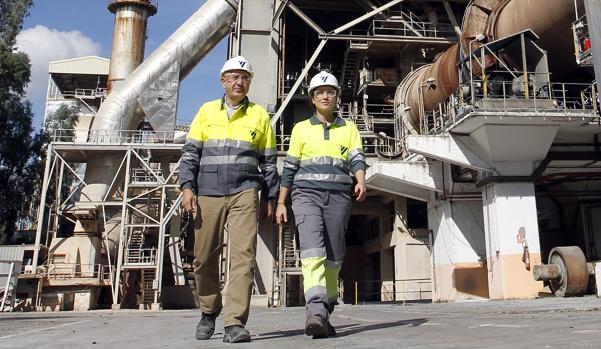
(8, 255)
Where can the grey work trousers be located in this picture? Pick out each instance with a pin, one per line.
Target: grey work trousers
(321, 218)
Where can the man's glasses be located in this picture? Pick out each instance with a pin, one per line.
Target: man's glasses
(237, 77)
(323, 93)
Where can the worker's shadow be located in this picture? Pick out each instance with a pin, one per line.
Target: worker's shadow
(344, 330)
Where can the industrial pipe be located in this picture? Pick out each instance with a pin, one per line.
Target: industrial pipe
(186, 47)
(550, 19)
(129, 37)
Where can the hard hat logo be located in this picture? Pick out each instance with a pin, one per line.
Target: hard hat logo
(323, 79)
(242, 64)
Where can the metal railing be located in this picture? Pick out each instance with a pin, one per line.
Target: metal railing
(380, 110)
(387, 146)
(393, 290)
(98, 137)
(410, 27)
(86, 93)
(569, 99)
(142, 175)
(64, 271)
(139, 256)
(155, 3)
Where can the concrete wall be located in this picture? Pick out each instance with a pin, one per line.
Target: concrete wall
(404, 259)
(82, 250)
(459, 250)
(60, 299)
(511, 216)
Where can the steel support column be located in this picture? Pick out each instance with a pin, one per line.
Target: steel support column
(42, 209)
(593, 19)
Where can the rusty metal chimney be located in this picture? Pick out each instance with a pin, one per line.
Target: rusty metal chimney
(129, 37)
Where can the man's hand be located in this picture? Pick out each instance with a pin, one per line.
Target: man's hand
(189, 201)
(281, 214)
(267, 211)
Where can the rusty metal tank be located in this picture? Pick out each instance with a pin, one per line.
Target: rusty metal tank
(550, 19)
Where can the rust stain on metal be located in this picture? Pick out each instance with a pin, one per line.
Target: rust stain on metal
(550, 19)
(129, 37)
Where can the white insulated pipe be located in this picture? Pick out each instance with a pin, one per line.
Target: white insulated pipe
(186, 47)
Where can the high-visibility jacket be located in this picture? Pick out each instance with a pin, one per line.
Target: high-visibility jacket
(321, 157)
(223, 155)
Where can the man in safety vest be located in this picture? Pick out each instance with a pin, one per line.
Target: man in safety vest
(229, 156)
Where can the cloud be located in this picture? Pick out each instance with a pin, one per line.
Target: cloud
(44, 45)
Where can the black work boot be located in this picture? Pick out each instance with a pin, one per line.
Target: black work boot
(316, 326)
(331, 330)
(236, 334)
(206, 326)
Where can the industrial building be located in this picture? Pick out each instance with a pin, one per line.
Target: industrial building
(480, 120)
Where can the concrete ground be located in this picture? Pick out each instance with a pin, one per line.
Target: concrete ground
(541, 323)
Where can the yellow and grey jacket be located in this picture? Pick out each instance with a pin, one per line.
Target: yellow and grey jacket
(223, 155)
(321, 157)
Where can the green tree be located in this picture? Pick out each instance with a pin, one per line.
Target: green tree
(16, 143)
(60, 124)
(58, 128)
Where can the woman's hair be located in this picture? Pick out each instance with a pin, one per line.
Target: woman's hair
(310, 101)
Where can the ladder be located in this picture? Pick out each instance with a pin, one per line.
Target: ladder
(148, 288)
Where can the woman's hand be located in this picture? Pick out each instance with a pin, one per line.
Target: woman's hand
(360, 192)
(281, 214)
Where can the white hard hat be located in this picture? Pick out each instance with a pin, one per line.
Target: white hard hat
(323, 79)
(237, 63)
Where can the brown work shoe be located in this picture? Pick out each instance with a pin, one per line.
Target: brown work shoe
(316, 326)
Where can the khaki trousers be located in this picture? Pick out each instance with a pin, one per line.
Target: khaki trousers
(239, 211)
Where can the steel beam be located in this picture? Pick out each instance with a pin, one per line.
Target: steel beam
(385, 38)
(451, 15)
(298, 82)
(365, 16)
(278, 12)
(41, 210)
(306, 19)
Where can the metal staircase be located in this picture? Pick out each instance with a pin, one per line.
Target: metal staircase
(142, 250)
(148, 286)
(350, 67)
(363, 124)
(287, 263)
(135, 242)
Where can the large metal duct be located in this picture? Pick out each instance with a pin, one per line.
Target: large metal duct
(550, 19)
(184, 48)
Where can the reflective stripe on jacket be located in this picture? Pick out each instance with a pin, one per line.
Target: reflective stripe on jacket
(322, 157)
(223, 156)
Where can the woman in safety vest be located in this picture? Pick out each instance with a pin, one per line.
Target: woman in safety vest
(324, 151)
